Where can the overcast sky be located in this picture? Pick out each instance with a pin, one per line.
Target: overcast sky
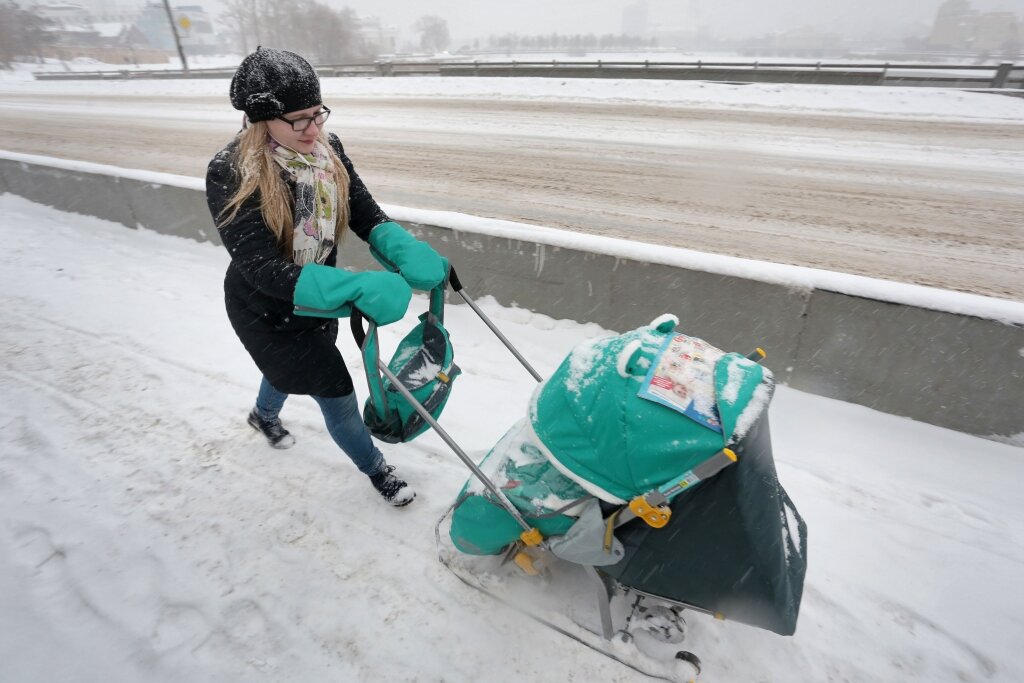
(726, 18)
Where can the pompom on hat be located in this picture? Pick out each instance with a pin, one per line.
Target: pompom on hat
(269, 83)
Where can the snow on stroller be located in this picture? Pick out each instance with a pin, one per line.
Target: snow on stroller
(594, 497)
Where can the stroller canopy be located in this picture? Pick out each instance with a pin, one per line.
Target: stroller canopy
(604, 418)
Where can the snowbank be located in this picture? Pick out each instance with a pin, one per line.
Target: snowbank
(922, 103)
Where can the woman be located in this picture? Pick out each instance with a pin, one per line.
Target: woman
(282, 193)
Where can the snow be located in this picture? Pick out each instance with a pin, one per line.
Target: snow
(109, 29)
(155, 177)
(731, 390)
(758, 402)
(148, 534)
(581, 363)
(422, 375)
(919, 103)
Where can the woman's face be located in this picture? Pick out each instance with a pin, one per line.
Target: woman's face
(301, 141)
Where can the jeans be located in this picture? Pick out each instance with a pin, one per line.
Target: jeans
(344, 424)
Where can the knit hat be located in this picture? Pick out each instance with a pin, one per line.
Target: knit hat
(269, 83)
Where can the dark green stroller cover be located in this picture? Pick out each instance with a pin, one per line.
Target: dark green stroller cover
(423, 363)
(735, 545)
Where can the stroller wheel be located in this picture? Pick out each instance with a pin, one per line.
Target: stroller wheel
(664, 623)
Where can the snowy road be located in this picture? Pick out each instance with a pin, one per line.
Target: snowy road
(937, 202)
(147, 534)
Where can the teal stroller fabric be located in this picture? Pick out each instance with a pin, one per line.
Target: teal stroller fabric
(423, 363)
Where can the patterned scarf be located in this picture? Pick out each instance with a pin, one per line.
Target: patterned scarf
(316, 200)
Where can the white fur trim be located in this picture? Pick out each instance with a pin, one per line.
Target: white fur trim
(664, 318)
(624, 357)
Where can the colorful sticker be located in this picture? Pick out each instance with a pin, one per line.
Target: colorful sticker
(682, 377)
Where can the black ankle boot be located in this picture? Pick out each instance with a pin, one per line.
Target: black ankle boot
(276, 434)
(392, 489)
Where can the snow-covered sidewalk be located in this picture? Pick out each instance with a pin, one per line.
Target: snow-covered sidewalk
(147, 534)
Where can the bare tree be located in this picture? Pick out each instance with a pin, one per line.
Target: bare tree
(236, 17)
(326, 35)
(22, 34)
(433, 32)
(307, 27)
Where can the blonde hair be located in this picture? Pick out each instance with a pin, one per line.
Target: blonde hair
(260, 173)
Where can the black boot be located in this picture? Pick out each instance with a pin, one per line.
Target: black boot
(276, 434)
(392, 489)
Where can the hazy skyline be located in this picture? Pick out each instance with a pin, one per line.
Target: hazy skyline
(468, 19)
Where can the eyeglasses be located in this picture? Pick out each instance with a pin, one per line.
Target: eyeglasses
(300, 125)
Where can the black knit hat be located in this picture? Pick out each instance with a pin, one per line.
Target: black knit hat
(269, 83)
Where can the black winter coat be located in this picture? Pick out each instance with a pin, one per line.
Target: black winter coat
(296, 354)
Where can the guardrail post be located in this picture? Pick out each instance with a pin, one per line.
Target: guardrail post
(1002, 73)
(476, 67)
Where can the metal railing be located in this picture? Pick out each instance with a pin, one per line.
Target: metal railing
(1003, 76)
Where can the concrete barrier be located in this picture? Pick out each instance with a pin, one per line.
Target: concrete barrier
(92, 194)
(957, 371)
(950, 359)
(174, 205)
(172, 210)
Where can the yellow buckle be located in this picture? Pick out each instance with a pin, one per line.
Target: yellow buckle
(532, 537)
(656, 517)
(525, 562)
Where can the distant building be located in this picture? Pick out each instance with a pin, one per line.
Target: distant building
(153, 24)
(198, 37)
(111, 10)
(68, 24)
(954, 25)
(958, 26)
(78, 35)
(195, 30)
(63, 13)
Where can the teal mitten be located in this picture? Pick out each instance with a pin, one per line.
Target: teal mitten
(327, 292)
(416, 261)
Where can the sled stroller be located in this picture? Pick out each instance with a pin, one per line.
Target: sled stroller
(639, 485)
